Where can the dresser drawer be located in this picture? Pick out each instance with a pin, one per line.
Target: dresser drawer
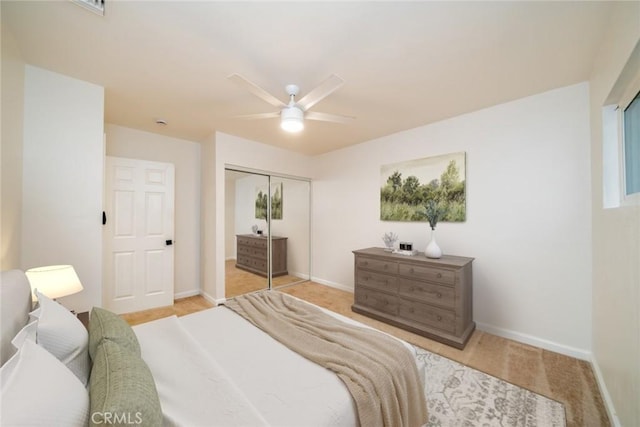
(251, 251)
(444, 320)
(377, 281)
(389, 267)
(243, 260)
(432, 274)
(244, 241)
(254, 242)
(376, 300)
(443, 296)
(251, 262)
(259, 242)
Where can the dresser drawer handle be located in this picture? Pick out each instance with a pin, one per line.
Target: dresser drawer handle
(438, 295)
(386, 281)
(411, 271)
(365, 263)
(411, 310)
(439, 276)
(439, 318)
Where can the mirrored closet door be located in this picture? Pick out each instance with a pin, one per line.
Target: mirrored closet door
(290, 220)
(267, 231)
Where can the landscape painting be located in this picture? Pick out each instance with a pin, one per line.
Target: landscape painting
(276, 201)
(406, 188)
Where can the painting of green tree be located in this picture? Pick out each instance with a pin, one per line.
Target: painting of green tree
(276, 202)
(407, 187)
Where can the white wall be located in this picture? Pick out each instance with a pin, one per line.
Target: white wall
(616, 241)
(528, 213)
(63, 179)
(232, 150)
(209, 221)
(11, 152)
(185, 156)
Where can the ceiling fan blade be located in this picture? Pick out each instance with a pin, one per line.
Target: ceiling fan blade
(256, 90)
(320, 92)
(312, 115)
(258, 116)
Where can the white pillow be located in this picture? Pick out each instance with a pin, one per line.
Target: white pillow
(64, 336)
(38, 390)
(28, 332)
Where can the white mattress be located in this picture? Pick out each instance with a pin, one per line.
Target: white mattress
(215, 368)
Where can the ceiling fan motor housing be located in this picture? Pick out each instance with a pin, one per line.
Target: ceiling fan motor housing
(292, 119)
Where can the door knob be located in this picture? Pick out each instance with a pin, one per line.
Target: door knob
(168, 242)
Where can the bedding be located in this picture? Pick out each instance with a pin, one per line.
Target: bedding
(63, 335)
(194, 389)
(38, 390)
(379, 372)
(208, 368)
(283, 387)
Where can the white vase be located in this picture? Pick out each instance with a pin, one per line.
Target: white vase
(433, 250)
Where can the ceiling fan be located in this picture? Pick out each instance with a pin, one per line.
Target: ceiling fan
(293, 113)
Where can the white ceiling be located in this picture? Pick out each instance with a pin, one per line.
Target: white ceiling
(404, 64)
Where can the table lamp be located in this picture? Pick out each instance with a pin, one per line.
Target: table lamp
(54, 281)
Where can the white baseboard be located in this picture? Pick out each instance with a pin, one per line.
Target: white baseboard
(303, 276)
(604, 391)
(578, 353)
(212, 300)
(186, 294)
(332, 284)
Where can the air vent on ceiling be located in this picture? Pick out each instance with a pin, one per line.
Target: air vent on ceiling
(95, 6)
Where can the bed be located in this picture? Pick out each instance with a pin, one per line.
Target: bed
(205, 369)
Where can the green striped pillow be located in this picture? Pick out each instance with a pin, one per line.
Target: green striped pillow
(105, 324)
(121, 389)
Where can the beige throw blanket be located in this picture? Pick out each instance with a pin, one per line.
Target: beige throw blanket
(379, 371)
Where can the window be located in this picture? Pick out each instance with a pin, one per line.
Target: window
(621, 138)
(631, 146)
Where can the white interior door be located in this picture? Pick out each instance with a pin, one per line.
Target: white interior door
(139, 210)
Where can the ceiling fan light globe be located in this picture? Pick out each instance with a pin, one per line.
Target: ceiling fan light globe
(292, 119)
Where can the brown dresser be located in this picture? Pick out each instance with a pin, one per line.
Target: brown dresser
(251, 254)
(430, 297)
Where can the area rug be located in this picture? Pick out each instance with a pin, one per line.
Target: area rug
(461, 396)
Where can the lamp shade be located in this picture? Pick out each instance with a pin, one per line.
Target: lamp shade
(54, 281)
